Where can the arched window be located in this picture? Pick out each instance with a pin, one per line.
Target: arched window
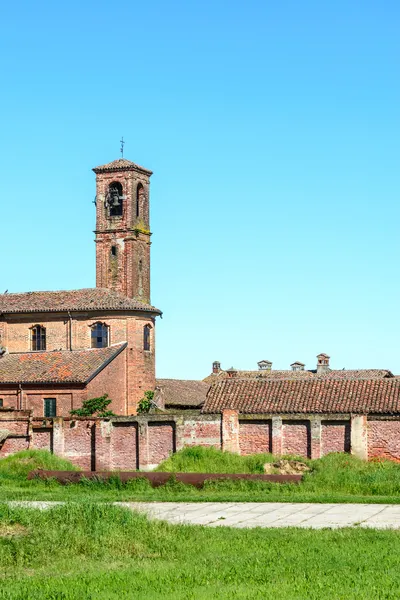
(38, 338)
(139, 195)
(99, 335)
(146, 337)
(115, 199)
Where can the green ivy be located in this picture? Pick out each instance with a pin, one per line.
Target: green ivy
(146, 402)
(95, 407)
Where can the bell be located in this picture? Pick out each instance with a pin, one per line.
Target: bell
(115, 201)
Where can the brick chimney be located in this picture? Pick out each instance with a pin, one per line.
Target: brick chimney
(323, 363)
(231, 372)
(216, 366)
(264, 365)
(297, 366)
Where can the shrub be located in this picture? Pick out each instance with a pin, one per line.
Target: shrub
(95, 407)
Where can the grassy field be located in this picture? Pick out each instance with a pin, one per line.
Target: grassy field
(97, 552)
(334, 478)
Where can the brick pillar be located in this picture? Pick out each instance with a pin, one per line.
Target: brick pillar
(58, 436)
(276, 435)
(179, 433)
(30, 433)
(103, 436)
(315, 449)
(143, 439)
(230, 431)
(359, 436)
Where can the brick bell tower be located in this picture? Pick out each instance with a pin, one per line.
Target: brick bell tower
(123, 228)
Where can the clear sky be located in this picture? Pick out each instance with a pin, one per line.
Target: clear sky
(273, 130)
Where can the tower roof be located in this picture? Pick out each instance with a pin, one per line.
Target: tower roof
(121, 164)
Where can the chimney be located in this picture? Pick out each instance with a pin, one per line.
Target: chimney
(216, 366)
(323, 363)
(264, 365)
(297, 366)
(231, 372)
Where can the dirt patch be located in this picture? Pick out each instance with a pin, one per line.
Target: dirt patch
(15, 530)
(286, 467)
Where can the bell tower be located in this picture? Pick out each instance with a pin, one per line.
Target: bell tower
(123, 228)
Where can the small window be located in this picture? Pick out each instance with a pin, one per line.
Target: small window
(146, 337)
(99, 335)
(1, 402)
(113, 250)
(38, 338)
(50, 407)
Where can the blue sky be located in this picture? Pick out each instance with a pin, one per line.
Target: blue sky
(273, 130)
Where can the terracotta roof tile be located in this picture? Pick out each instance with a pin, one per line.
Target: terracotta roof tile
(319, 395)
(78, 366)
(301, 375)
(73, 300)
(121, 164)
(356, 374)
(273, 374)
(183, 392)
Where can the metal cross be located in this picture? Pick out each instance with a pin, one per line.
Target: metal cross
(122, 146)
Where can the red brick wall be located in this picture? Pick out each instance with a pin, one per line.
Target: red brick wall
(384, 439)
(35, 401)
(42, 439)
(198, 432)
(17, 423)
(12, 445)
(296, 438)
(79, 442)
(161, 441)
(112, 381)
(255, 436)
(18, 337)
(126, 378)
(124, 449)
(335, 436)
(116, 444)
(10, 399)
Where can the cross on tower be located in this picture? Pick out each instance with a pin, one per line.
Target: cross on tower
(122, 146)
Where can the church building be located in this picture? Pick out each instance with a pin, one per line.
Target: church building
(60, 348)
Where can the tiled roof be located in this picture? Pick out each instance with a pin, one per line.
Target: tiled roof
(72, 300)
(293, 375)
(183, 392)
(319, 395)
(357, 374)
(121, 164)
(301, 375)
(78, 366)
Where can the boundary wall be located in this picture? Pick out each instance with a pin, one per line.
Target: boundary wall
(143, 441)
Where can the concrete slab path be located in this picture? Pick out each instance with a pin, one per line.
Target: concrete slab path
(260, 514)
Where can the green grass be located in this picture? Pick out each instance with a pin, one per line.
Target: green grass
(100, 552)
(198, 459)
(21, 463)
(334, 478)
